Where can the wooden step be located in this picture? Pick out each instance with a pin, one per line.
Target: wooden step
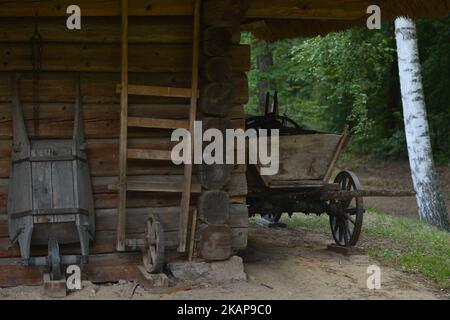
(145, 154)
(141, 90)
(160, 187)
(144, 186)
(157, 123)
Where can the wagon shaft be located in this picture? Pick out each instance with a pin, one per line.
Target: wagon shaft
(342, 195)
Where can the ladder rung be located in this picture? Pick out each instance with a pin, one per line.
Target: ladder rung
(160, 187)
(144, 186)
(157, 123)
(141, 90)
(144, 154)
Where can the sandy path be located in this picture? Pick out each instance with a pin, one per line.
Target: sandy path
(280, 264)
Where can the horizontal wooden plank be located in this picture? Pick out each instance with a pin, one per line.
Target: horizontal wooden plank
(14, 273)
(100, 8)
(157, 123)
(141, 154)
(101, 87)
(154, 91)
(160, 187)
(102, 29)
(106, 57)
(149, 186)
(94, 30)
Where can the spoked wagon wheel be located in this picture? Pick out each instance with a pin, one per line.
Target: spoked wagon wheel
(153, 255)
(347, 218)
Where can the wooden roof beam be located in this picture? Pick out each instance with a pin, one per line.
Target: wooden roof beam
(285, 9)
(258, 9)
(301, 9)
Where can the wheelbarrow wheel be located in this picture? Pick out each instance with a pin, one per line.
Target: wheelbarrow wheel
(347, 217)
(153, 255)
(54, 259)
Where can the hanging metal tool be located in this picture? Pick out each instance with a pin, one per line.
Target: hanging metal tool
(36, 62)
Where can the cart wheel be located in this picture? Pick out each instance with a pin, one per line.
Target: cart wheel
(347, 218)
(153, 255)
(54, 259)
(273, 217)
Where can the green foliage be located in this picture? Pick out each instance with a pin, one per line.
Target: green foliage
(434, 45)
(352, 77)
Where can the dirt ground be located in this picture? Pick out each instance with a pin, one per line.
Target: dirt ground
(295, 264)
(394, 175)
(280, 264)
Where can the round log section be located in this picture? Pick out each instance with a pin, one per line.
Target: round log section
(218, 41)
(239, 216)
(216, 99)
(214, 207)
(218, 69)
(216, 123)
(215, 242)
(214, 176)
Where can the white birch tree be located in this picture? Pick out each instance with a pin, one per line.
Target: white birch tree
(431, 203)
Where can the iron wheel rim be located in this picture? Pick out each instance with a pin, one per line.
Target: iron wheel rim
(346, 222)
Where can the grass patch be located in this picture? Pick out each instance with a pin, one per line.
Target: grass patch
(405, 242)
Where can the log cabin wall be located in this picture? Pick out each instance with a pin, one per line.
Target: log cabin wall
(159, 54)
(217, 238)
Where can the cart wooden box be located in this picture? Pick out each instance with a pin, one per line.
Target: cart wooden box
(306, 158)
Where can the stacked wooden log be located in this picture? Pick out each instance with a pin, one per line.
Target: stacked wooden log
(160, 55)
(217, 240)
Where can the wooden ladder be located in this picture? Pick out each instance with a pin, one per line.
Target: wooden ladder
(125, 89)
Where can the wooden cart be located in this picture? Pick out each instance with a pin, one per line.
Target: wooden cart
(304, 182)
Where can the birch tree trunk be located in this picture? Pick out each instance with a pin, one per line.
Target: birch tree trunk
(432, 207)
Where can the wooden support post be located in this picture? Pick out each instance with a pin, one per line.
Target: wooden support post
(185, 201)
(193, 236)
(121, 219)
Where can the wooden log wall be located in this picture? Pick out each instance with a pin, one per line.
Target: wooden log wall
(159, 54)
(215, 237)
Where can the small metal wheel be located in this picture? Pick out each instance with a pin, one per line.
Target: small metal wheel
(54, 259)
(347, 216)
(273, 217)
(153, 255)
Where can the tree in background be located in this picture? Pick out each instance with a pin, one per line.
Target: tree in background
(264, 64)
(352, 77)
(432, 207)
